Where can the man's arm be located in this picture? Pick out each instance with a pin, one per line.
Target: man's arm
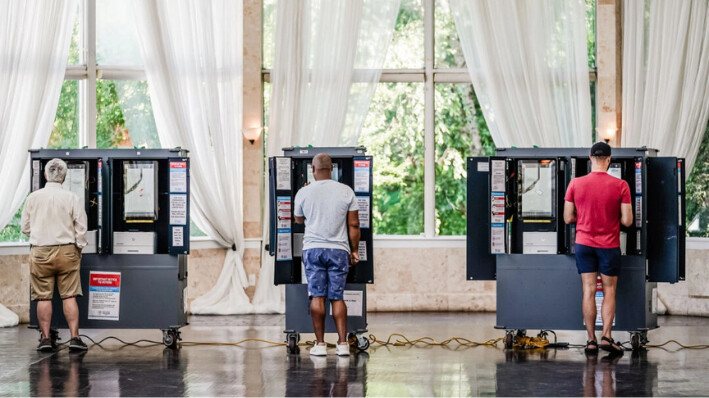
(354, 232)
(25, 223)
(626, 214)
(569, 212)
(80, 224)
(300, 220)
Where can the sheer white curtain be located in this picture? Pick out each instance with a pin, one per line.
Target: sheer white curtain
(328, 60)
(193, 60)
(528, 62)
(34, 45)
(666, 76)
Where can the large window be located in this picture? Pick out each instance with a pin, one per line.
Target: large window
(424, 121)
(105, 101)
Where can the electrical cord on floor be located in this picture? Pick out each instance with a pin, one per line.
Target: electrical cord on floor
(682, 346)
(397, 340)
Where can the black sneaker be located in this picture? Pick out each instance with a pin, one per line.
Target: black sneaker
(75, 344)
(45, 345)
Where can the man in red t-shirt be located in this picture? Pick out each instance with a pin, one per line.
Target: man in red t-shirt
(598, 203)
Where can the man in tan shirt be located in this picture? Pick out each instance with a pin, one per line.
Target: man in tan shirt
(55, 221)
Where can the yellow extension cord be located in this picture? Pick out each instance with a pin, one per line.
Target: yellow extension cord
(400, 340)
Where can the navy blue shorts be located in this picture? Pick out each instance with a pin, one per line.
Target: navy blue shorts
(594, 259)
(326, 271)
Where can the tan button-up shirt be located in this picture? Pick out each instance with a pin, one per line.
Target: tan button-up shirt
(54, 216)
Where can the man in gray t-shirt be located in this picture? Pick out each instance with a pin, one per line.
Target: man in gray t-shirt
(329, 211)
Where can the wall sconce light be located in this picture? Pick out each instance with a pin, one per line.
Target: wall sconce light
(252, 134)
(607, 134)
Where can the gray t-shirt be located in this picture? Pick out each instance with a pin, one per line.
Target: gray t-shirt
(325, 204)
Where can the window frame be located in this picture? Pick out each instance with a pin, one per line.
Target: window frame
(429, 75)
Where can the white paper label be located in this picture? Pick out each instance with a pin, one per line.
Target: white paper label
(178, 236)
(353, 301)
(283, 174)
(104, 295)
(283, 212)
(483, 167)
(497, 183)
(178, 176)
(363, 202)
(361, 175)
(362, 251)
(639, 212)
(284, 246)
(497, 240)
(638, 177)
(178, 209)
(35, 175)
(497, 208)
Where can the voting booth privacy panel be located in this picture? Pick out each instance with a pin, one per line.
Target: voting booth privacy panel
(287, 174)
(134, 268)
(516, 235)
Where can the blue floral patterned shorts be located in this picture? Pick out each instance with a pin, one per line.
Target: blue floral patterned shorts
(326, 271)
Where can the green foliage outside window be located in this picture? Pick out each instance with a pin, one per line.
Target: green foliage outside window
(697, 191)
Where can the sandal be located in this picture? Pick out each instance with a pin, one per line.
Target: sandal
(611, 347)
(591, 347)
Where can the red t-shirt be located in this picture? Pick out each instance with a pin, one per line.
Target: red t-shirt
(597, 197)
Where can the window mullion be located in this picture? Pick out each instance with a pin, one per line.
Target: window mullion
(87, 136)
(429, 187)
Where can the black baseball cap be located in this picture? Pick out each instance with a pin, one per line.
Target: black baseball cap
(600, 149)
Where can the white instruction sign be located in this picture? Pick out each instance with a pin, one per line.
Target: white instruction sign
(362, 251)
(363, 202)
(284, 246)
(497, 182)
(361, 175)
(497, 239)
(178, 209)
(353, 301)
(178, 236)
(178, 176)
(35, 175)
(104, 295)
(283, 211)
(483, 167)
(283, 174)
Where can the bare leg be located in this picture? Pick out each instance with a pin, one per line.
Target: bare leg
(608, 308)
(44, 316)
(339, 312)
(71, 313)
(317, 312)
(588, 280)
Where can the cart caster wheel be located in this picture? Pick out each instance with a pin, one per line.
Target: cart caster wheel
(293, 340)
(170, 338)
(362, 343)
(635, 341)
(509, 340)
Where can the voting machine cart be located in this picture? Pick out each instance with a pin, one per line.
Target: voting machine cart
(134, 269)
(287, 174)
(516, 235)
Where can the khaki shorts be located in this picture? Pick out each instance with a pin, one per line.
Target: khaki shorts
(55, 263)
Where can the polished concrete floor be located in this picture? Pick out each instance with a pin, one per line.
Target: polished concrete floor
(256, 369)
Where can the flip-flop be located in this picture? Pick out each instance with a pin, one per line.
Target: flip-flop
(611, 346)
(589, 344)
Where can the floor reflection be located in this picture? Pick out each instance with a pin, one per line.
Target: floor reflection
(111, 373)
(329, 376)
(258, 369)
(539, 372)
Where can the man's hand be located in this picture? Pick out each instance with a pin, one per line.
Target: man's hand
(354, 258)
